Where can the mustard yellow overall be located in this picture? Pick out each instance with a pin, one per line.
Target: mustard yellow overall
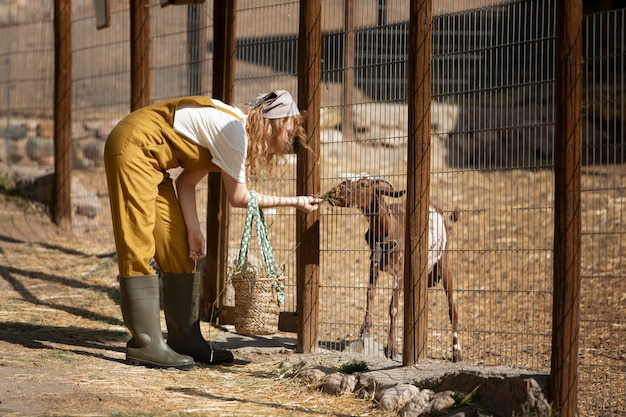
(147, 219)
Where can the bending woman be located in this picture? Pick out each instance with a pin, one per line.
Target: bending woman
(152, 218)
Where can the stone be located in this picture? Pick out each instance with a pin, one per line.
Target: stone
(441, 401)
(339, 384)
(38, 148)
(312, 375)
(15, 131)
(94, 151)
(394, 398)
(45, 129)
(417, 405)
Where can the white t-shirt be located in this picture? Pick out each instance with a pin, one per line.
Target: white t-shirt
(218, 131)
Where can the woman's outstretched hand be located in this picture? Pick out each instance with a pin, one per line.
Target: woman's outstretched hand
(308, 203)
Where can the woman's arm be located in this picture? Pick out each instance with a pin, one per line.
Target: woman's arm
(238, 197)
(186, 188)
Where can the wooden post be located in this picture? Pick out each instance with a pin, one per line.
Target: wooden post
(567, 215)
(218, 210)
(62, 210)
(140, 54)
(308, 177)
(224, 50)
(347, 124)
(418, 183)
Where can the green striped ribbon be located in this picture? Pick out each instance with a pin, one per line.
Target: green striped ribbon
(255, 215)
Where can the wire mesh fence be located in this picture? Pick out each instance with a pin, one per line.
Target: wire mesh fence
(492, 123)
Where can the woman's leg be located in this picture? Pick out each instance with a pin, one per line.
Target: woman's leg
(133, 183)
(170, 232)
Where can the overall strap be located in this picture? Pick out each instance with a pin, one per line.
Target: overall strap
(207, 102)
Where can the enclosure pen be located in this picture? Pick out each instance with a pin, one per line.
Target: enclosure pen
(492, 159)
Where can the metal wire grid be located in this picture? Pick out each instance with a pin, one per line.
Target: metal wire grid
(26, 94)
(266, 51)
(488, 67)
(602, 352)
(496, 308)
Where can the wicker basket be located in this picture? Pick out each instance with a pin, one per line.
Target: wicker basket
(258, 291)
(256, 306)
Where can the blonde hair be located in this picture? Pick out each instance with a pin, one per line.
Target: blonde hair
(263, 133)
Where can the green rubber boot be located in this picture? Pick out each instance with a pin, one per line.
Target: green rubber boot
(139, 299)
(181, 297)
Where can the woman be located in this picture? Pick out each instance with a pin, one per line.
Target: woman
(154, 219)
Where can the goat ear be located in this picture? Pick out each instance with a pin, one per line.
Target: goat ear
(384, 187)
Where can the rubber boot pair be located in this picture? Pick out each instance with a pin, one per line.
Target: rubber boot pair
(139, 300)
(181, 294)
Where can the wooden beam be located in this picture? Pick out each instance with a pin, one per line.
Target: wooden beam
(308, 174)
(567, 209)
(418, 183)
(62, 210)
(140, 54)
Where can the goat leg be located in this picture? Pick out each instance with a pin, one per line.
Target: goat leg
(448, 286)
(392, 350)
(371, 294)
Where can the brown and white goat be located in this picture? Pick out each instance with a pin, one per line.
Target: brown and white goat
(385, 237)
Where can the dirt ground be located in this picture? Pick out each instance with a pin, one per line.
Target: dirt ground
(62, 338)
(62, 335)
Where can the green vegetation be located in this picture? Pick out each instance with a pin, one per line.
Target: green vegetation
(354, 366)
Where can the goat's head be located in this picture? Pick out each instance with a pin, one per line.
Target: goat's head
(362, 192)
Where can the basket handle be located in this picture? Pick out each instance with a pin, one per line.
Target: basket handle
(255, 215)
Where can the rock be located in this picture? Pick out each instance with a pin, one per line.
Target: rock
(417, 405)
(15, 131)
(94, 151)
(497, 394)
(394, 398)
(441, 401)
(330, 117)
(367, 346)
(38, 148)
(443, 119)
(339, 384)
(16, 150)
(500, 137)
(100, 128)
(85, 202)
(312, 375)
(45, 129)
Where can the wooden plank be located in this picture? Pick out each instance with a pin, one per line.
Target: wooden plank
(103, 13)
(288, 321)
(567, 209)
(62, 210)
(308, 174)
(418, 183)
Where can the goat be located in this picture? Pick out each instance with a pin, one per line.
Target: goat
(385, 238)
